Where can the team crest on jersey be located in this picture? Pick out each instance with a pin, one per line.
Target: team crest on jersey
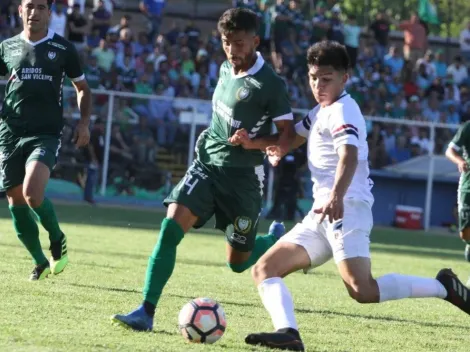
(243, 93)
(52, 55)
(242, 224)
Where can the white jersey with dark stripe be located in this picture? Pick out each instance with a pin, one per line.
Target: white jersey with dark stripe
(327, 129)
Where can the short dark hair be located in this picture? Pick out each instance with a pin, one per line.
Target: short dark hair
(328, 53)
(238, 19)
(49, 3)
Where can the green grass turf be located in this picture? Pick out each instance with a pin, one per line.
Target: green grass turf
(108, 251)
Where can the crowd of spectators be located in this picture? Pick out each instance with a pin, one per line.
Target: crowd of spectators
(407, 81)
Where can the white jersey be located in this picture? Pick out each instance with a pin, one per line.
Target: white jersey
(328, 128)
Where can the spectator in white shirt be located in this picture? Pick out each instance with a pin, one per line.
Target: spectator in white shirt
(427, 61)
(458, 71)
(58, 20)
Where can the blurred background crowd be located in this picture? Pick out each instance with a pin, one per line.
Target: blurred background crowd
(144, 52)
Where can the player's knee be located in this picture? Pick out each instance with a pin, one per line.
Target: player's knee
(465, 234)
(32, 197)
(15, 196)
(262, 270)
(362, 292)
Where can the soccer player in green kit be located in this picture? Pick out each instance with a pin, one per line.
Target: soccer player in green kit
(459, 153)
(226, 179)
(36, 62)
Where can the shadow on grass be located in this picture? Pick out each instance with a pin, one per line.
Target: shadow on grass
(378, 318)
(317, 312)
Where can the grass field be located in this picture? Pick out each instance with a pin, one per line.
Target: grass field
(109, 248)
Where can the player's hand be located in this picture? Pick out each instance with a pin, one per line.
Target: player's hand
(274, 154)
(81, 135)
(241, 137)
(463, 166)
(333, 208)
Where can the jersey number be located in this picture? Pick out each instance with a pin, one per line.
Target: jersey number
(189, 184)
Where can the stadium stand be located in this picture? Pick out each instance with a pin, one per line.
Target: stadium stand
(403, 79)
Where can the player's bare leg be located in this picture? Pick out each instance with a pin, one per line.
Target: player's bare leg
(27, 232)
(179, 220)
(34, 186)
(357, 277)
(279, 261)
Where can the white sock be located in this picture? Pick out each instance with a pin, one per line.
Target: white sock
(397, 286)
(278, 302)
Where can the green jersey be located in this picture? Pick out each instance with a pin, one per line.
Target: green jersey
(33, 96)
(461, 144)
(251, 100)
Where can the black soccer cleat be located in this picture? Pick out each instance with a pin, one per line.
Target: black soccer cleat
(284, 339)
(457, 293)
(40, 272)
(59, 258)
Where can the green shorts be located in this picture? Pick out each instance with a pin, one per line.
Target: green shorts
(464, 210)
(17, 152)
(233, 195)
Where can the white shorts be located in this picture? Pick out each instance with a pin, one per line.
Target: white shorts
(343, 239)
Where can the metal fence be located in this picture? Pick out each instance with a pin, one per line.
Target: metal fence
(174, 123)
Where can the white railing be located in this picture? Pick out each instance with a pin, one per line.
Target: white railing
(193, 117)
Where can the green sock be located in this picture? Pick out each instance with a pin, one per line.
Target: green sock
(46, 215)
(262, 244)
(162, 261)
(27, 231)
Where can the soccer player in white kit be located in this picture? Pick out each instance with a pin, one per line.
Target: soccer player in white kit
(340, 222)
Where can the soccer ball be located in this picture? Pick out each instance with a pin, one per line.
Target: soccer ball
(202, 320)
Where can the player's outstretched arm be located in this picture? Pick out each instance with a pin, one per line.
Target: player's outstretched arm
(82, 131)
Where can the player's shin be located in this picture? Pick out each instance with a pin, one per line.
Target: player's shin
(28, 232)
(278, 302)
(47, 216)
(161, 263)
(397, 286)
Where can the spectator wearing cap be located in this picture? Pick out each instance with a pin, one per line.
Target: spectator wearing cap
(336, 31)
(78, 28)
